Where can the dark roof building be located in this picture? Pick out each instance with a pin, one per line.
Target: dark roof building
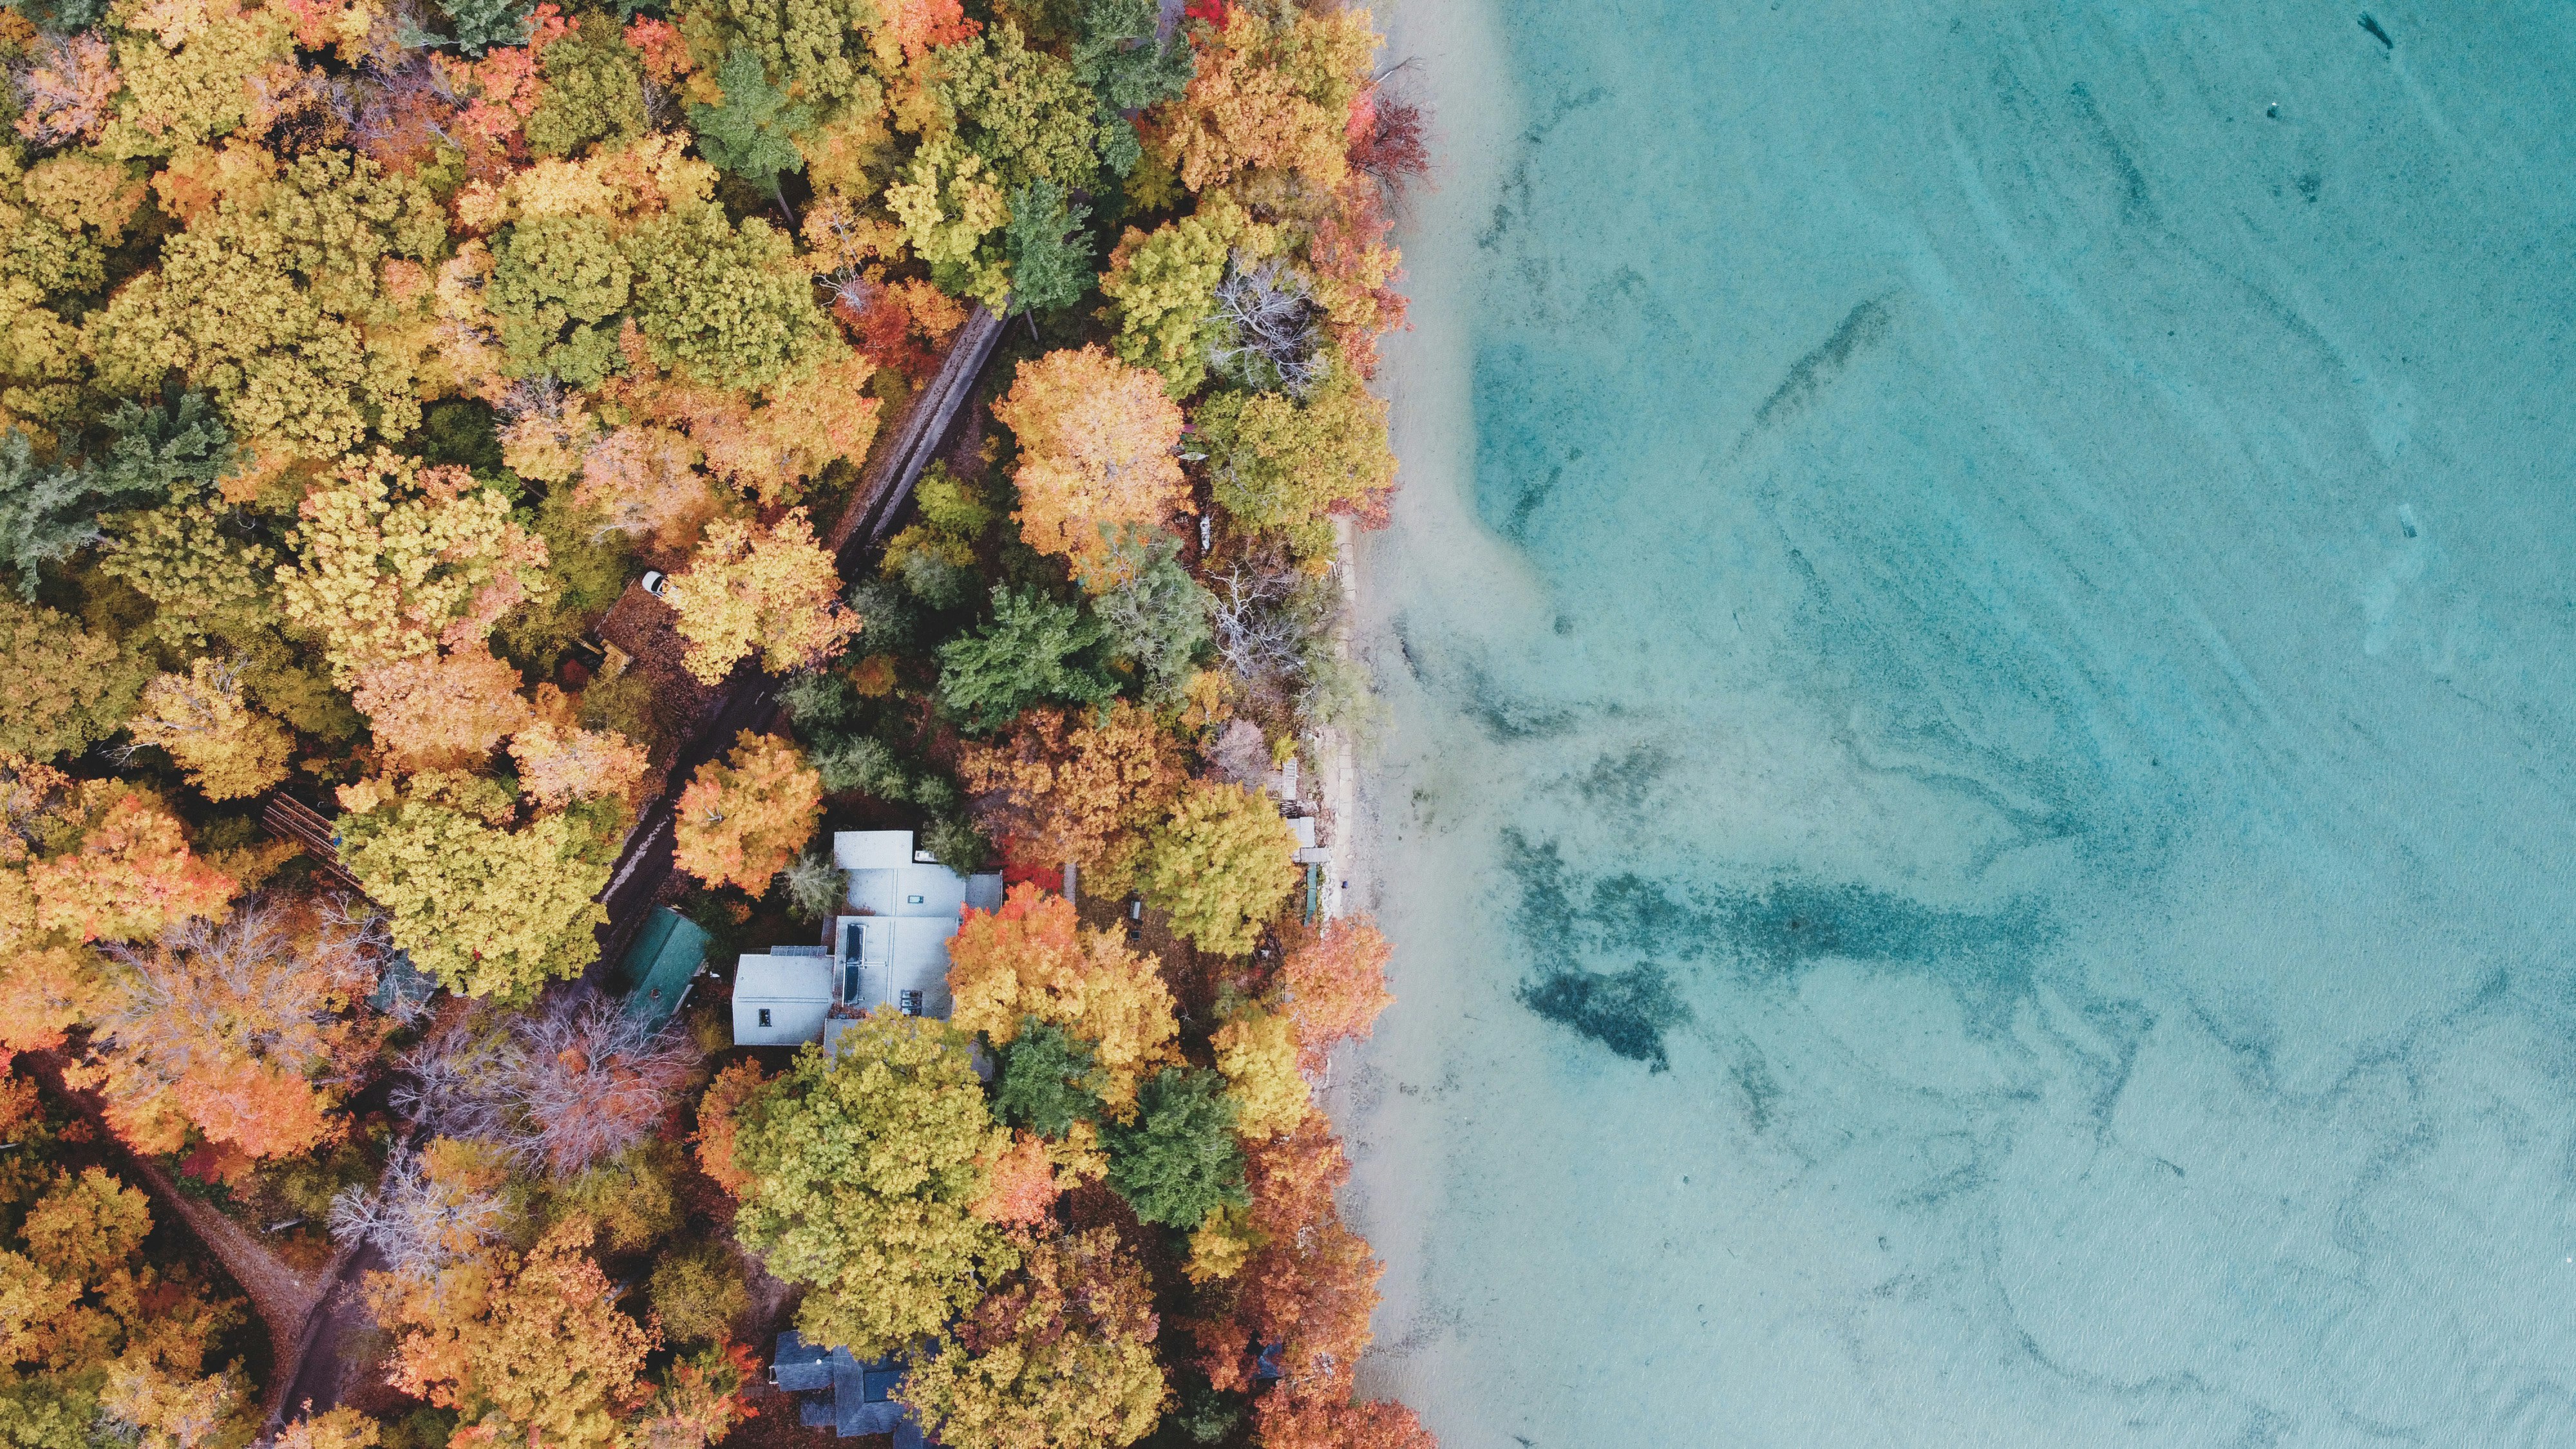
(835, 1391)
(653, 977)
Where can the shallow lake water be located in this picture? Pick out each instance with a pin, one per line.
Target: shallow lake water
(1978, 785)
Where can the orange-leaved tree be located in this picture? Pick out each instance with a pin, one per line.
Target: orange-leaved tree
(236, 1028)
(1328, 1421)
(742, 819)
(1273, 96)
(1031, 958)
(720, 1117)
(1020, 1186)
(1097, 456)
(559, 764)
(1332, 983)
(125, 871)
(539, 1353)
(772, 591)
(1309, 1283)
(1080, 791)
(443, 709)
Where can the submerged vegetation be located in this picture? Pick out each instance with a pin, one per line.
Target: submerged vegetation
(358, 360)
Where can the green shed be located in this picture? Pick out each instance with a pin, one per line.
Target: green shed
(653, 977)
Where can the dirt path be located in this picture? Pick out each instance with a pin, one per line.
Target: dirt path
(283, 1297)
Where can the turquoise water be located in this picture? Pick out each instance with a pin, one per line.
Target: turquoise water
(1977, 790)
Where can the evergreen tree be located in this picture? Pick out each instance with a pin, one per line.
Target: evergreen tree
(1047, 1081)
(1179, 1160)
(1050, 253)
(1034, 649)
(747, 134)
(482, 24)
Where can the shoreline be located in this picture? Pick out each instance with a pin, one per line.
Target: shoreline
(1452, 56)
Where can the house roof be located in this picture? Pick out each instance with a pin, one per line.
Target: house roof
(850, 1397)
(872, 849)
(775, 977)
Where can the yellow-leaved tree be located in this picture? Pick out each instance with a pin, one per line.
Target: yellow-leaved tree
(1221, 866)
(393, 559)
(860, 1175)
(771, 591)
(227, 748)
(1059, 1356)
(1031, 958)
(1257, 1052)
(93, 1328)
(490, 911)
(1097, 457)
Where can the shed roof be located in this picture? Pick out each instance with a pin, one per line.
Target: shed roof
(655, 972)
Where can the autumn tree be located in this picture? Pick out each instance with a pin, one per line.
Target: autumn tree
(338, 1428)
(1332, 983)
(95, 1333)
(273, 299)
(441, 710)
(720, 1120)
(1282, 466)
(559, 764)
(489, 911)
(563, 1090)
(1031, 959)
(1309, 1284)
(1163, 285)
(545, 1355)
(1019, 1183)
(772, 590)
(235, 1028)
(741, 821)
(1221, 866)
(394, 559)
(1084, 791)
(558, 287)
(862, 1171)
(1180, 1159)
(1059, 1356)
(643, 480)
(228, 749)
(122, 869)
(1256, 1050)
(62, 688)
(728, 304)
(1098, 440)
(1328, 1421)
(1273, 95)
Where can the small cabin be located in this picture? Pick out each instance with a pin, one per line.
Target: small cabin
(834, 1390)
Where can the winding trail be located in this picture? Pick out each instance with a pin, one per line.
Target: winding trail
(283, 1296)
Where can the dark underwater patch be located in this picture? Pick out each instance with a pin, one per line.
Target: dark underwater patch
(1770, 932)
(1627, 1011)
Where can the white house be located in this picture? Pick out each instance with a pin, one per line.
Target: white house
(889, 951)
